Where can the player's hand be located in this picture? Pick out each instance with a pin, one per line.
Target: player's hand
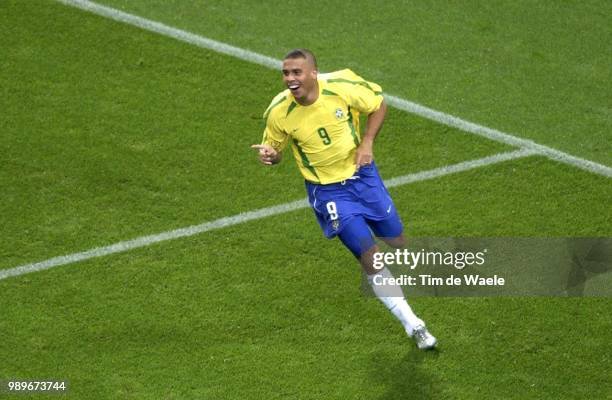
(267, 154)
(364, 154)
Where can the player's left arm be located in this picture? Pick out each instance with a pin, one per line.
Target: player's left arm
(364, 154)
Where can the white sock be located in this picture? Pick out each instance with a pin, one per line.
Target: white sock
(393, 298)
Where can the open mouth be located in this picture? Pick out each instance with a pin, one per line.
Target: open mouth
(293, 87)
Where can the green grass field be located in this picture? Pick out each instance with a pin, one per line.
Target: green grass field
(110, 132)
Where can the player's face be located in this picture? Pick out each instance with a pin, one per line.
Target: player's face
(300, 76)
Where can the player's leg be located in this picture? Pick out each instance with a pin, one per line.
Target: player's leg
(336, 212)
(397, 242)
(356, 236)
(381, 214)
(391, 230)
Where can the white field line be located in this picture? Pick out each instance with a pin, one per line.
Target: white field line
(454, 168)
(144, 241)
(498, 136)
(394, 101)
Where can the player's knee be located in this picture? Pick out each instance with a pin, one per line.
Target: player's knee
(396, 242)
(367, 260)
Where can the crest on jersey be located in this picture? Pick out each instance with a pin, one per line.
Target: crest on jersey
(339, 113)
(336, 225)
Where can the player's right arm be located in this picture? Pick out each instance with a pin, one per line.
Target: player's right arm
(267, 154)
(274, 137)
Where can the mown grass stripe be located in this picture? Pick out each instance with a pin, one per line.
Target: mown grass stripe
(397, 102)
(241, 218)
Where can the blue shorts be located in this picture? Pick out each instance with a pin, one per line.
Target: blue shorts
(362, 196)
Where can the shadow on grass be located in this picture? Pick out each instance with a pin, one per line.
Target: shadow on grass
(407, 378)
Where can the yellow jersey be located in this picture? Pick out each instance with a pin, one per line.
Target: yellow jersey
(324, 134)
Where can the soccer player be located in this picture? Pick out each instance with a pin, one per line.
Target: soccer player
(318, 116)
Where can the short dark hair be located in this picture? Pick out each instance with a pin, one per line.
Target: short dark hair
(302, 53)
